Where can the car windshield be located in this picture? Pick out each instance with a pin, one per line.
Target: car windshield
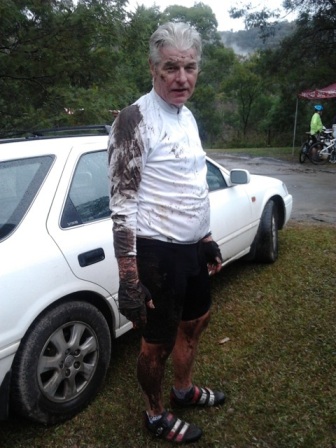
(20, 181)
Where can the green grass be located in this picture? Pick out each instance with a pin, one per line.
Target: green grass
(278, 367)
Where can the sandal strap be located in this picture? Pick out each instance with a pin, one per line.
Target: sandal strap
(177, 429)
(173, 429)
(198, 396)
(204, 396)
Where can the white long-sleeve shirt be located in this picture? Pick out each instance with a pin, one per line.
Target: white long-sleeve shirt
(157, 174)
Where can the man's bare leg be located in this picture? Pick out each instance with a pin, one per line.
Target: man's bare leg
(150, 373)
(153, 357)
(185, 349)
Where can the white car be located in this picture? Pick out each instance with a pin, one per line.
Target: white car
(59, 279)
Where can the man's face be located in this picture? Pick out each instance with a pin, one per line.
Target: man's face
(176, 75)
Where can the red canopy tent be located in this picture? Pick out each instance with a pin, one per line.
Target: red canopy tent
(325, 93)
(318, 94)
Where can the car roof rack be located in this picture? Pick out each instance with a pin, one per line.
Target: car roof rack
(57, 132)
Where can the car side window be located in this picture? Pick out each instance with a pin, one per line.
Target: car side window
(88, 197)
(20, 181)
(215, 177)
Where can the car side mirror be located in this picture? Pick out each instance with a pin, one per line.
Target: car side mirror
(239, 177)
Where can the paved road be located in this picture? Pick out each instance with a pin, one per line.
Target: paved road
(313, 187)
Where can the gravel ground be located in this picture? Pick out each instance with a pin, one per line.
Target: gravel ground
(313, 187)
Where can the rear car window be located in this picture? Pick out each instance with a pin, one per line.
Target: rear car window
(20, 181)
(88, 198)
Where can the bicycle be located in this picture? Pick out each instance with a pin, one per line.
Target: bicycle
(318, 152)
(304, 150)
(323, 151)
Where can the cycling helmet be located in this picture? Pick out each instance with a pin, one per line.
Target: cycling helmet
(318, 107)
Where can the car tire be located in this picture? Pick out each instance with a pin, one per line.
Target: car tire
(61, 363)
(266, 243)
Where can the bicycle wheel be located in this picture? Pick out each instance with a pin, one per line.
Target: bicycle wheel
(317, 155)
(332, 158)
(303, 152)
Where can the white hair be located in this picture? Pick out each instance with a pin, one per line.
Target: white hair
(178, 35)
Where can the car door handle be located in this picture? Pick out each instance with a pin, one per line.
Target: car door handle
(91, 257)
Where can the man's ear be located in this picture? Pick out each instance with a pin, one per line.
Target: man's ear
(152, 67)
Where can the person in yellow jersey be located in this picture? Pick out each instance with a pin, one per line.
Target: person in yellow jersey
(316, 125)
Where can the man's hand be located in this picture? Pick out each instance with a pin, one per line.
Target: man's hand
(212, 254)
(133, 296)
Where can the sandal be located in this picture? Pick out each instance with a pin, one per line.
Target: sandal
(198, 396)
(173, 429)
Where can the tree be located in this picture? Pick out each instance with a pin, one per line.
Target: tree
(200, 16)
(142, 23)
(51, 49)
(303, 60)
(245, 86)
(207, 101)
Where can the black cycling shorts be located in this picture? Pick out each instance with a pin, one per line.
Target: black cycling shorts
(177, 277)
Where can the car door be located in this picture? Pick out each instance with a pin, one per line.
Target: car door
(79, 219)
(231, 214)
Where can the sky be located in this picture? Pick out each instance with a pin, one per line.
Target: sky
(219, 8)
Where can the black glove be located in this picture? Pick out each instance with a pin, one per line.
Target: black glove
(212, 252)
(132, 302)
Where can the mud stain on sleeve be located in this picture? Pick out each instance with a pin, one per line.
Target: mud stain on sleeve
(124, 240)
(128, 120)
(125, 160)
(125, 153)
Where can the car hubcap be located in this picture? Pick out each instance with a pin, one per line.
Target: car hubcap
(68, 362)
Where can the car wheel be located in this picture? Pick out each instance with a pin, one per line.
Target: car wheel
(61, 363)
(266, 248)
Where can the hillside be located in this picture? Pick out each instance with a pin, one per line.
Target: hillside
(245, 42)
